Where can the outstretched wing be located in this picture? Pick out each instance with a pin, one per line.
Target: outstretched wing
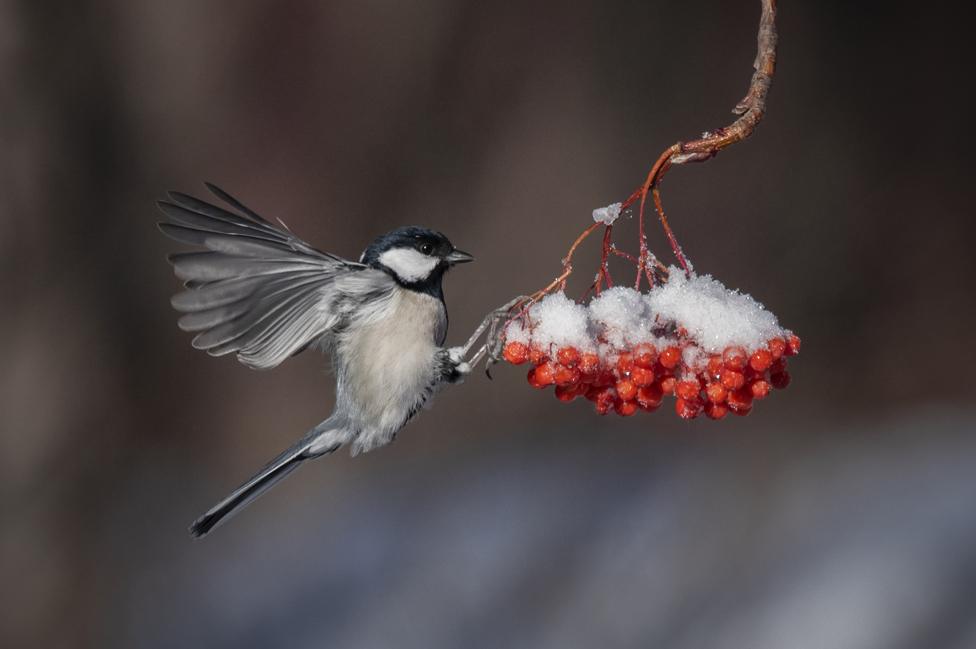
(258, 290)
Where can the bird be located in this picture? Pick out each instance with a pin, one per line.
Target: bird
(258, 291)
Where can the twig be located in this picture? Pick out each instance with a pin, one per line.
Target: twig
(604, 274)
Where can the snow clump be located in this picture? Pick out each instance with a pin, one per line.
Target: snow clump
(698, 313)
(607, 215)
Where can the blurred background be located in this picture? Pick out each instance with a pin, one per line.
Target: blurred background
(841, 513)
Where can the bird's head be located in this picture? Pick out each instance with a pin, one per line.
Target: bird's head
(416, 257)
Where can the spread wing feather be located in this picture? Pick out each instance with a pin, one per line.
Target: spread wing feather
(257, 289)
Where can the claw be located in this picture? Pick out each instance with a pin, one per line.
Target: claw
(456, 355)
(493, 341)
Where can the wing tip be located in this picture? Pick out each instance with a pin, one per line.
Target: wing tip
(202, 526)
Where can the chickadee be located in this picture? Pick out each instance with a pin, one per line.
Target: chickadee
(262, 293)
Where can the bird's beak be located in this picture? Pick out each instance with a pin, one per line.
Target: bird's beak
(458, 257)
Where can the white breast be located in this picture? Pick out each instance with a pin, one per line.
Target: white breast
(388, 365)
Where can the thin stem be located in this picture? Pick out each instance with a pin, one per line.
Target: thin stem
(678, 253)
(626, 255)
(567, 267)
(604, 274)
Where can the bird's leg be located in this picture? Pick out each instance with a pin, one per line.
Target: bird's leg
(493, 341)
(492, 344)
(453, 367)
(491, 321)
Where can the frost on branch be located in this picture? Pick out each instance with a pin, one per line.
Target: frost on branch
(715, 349)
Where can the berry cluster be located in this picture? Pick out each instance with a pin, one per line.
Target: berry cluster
(626, 380)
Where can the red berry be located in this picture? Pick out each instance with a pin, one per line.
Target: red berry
(716, 410)
(626, 389)
(546, 373)
(625, 364)
(760, 389)
(735, 358)
(537, 356)
(604, 378)
(625, 408)
(793, 345)
(777, 347)
(732, 380)
(563, 375)
(649, 397)
(716, 392)
(688, 390)
(670, 357)
(516, 353)
(780, 380)
(568, 356)
(567, 392)
(589, 364)
(741, 412)
(667, 384)
(641, 376)
(539, 377)
(760, 360)
(644, 356)
(687, 409)
(739, 400)
(714, 366)
(604, 400)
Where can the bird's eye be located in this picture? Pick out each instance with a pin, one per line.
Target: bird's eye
(427, 248)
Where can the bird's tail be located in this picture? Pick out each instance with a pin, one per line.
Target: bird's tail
(276, 470)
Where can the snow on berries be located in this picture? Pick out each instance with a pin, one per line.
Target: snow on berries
(716, 351)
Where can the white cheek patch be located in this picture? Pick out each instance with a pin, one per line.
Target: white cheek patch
(409, 264)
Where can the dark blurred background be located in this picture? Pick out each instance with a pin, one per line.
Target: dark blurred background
(841, 513)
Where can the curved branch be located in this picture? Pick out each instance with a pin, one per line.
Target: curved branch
(750, 109)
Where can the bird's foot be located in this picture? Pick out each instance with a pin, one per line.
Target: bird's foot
(457, 367)
(456, 354)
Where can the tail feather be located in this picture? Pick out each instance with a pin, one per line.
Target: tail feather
(269, 476)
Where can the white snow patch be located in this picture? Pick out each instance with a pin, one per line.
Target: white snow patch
(558, 321)
(608, 214)
(516, 332)
(714, 316)
(622, 317)
(692, 356)
(711, 317)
